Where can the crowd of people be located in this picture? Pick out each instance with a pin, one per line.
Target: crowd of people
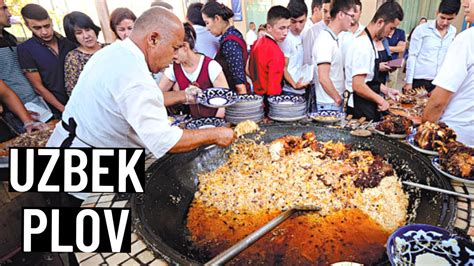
(120, 94)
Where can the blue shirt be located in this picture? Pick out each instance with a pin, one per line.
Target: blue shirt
(234, 57)
(398, 36)
(35, 56)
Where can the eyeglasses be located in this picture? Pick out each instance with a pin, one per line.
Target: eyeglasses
(350, 15)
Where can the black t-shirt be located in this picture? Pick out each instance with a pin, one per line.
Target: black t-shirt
(35, 56)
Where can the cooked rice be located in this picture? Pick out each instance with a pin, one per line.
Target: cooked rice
(251, 182)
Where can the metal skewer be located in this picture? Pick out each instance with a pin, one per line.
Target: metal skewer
(250, 239)
(449, 192)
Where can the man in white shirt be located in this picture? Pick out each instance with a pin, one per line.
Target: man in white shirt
(346, 38)
(428, 46)
(206, 43)
(316, 15)
(310, 36)
(452, 101)
(116, 102)
(251, 35)
(361, 66)
(292, 48)
(328, 57)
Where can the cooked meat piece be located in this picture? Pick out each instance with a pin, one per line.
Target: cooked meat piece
(458, 159)
(431, 136)
(395, 125)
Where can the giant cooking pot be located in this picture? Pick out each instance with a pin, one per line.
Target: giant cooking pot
(160, 213)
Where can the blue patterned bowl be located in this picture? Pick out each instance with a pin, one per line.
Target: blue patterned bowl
(207, 122)
(425, 244)
(217, 97)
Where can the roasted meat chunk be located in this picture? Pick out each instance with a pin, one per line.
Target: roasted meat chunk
(458, 160)
(431, 136)
(395, 125)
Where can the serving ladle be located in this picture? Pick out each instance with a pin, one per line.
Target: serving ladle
(243, 244)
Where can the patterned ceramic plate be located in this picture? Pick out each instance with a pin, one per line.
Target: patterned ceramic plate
(207, 122)
(249, 98)
(423, 244)
(286, 99)
(436, 164)
(327, 116)
(411, 141)
(217, 97)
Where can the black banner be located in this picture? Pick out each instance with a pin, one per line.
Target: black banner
(76, 230)
(77, 170)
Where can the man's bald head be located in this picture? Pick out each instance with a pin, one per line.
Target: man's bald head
(159, 34)
(157, 19)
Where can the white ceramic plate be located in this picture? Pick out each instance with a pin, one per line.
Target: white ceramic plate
(411, 141)
(437, 166)
(394, 136)
(287, 119)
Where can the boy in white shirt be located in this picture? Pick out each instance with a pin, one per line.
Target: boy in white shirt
(292, 48)
(327, 56)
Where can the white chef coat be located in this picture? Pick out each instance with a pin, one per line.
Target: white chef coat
(116, 103)
(457, 76)
(427, 51)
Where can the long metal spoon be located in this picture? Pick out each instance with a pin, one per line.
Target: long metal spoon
(449, 192)
(240, 246)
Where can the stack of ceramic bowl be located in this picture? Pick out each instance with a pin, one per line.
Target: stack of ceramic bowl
(247, 107)
(287, 107)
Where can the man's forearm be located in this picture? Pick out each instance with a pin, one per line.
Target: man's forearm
(49, 98)
(436, 104)
(174, 97)
(193, 139)
(14, 104)
(365, 92)
(329, 88)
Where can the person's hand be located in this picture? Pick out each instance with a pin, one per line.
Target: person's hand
(220, 113)
(406, 88)
(191, 93)
(339, 101)
(393, 93)
(383, 67)
(224, 136)
(34, 115)
(382, 105)
(300, 84)
(32, 126)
